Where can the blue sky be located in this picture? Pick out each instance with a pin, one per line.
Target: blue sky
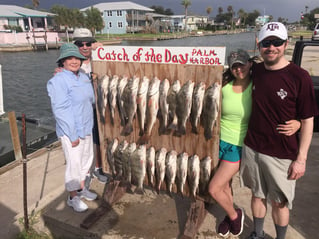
(290, 9)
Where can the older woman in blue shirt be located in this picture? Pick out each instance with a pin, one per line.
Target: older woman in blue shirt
(72, 99)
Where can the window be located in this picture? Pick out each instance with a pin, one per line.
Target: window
(109, 13)
(119, 13)
(110, 24)
(13, 22)
(120, 24)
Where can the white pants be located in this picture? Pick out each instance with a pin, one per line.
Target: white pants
(78, 161)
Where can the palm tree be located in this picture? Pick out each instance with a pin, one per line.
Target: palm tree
(243, 15)
(220, 10)
(186, 4)
(94, 21)
(35, 3)
(230, 10)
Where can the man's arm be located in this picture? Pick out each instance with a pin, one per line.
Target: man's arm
(298, 167)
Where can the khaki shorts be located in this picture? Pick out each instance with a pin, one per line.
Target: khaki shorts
(267, 176)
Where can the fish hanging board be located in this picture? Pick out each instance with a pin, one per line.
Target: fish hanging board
(188, 65)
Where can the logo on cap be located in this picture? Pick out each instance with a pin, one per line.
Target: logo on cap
(272, 27)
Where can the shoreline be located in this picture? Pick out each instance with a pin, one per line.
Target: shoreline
(118, 40)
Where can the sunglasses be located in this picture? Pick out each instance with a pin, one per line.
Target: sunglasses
(81, 44)
(275, 43)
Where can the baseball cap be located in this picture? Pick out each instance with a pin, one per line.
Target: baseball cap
(239, 56)
(83, 34)
(69, 49)
(276, 29)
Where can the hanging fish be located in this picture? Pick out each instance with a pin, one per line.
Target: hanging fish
(210, 109)
(205, 173)
(127, 164)
(120, 88)
(197, 105)
(163, 105)
(152, 109)
(150, 165)
(111, 147)
(129, 104)
(138, 159)
(172, 104)
(184, 106)
(112, 93)
(170, 170)
(181, 172)
(118, 162)
(160, 157)
(193, 174)
(142, 103)
(102, 91)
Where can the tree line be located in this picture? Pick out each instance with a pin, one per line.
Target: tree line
(92, 19)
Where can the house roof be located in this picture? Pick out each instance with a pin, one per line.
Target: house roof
(107, 6)
(16, 11)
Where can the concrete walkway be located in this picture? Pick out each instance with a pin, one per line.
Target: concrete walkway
(47, 197)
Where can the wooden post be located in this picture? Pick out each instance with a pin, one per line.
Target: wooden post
(15, 135)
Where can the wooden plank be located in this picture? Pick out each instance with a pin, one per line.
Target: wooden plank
(15, 135)
(92, 218)
(196, 216)
(114, 191)
(190, 143)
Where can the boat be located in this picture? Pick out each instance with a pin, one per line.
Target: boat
(37, 136)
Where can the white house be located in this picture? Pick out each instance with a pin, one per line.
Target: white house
(196, 21)
(122, 17)
(12, 16)
(23, 26)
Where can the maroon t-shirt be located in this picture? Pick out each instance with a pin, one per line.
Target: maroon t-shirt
(279, 96)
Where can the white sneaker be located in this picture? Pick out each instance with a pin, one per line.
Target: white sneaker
(85, 193)
(77, 204)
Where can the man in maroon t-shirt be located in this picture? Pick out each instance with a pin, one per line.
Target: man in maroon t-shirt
(272, 162)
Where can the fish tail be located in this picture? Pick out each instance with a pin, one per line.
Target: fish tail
(102, 119)
(112, 119)
(127, 130)
(208, 134)
(194, 129)
(158, 187)
(139, 190)
(141, 132)
(144, 139)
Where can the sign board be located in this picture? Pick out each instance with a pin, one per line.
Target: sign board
(209, 56)
(317, 16)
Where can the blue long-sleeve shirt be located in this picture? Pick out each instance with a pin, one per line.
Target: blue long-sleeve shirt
(72, 99)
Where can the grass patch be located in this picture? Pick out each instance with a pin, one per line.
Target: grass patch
(32, 233)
